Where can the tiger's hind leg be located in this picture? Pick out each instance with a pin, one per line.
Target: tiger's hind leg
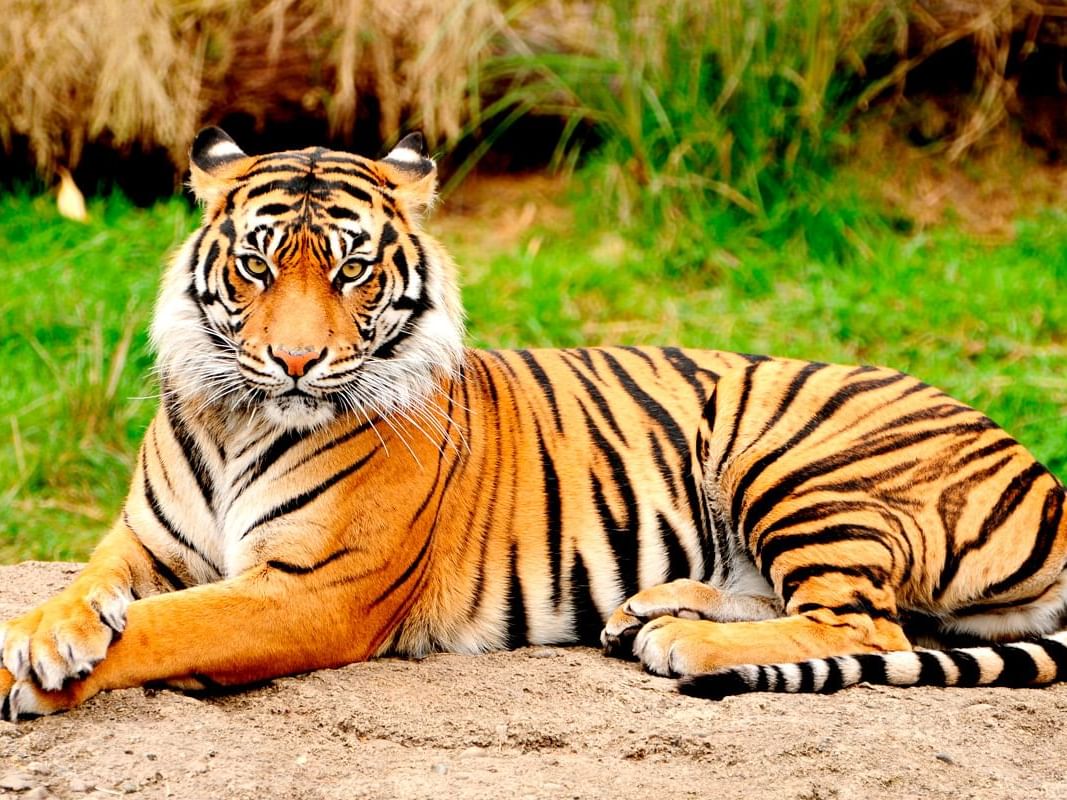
(672, 646)
(840, 601)
(683, 599)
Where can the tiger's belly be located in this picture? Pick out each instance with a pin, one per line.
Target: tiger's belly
(587, 489)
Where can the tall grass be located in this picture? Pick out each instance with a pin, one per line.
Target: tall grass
(733, 109)
(150, 72)
(712, 114)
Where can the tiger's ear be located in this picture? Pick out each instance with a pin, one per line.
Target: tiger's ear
(410, 167)
(214, 161)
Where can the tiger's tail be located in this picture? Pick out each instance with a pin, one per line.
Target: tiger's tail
(1032, 662)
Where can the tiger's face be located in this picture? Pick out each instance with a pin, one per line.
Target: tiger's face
(309, 291)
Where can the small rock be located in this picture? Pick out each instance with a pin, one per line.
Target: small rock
(17, 781)
(38, 768)
(197, 767)
(151, 756)
(440, 769)
(502, 733)
(945, 757)
(128, 787)
(78, 785)
(38, 793)
(545, 652)
(473, 752)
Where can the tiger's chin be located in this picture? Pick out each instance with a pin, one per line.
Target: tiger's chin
(298, 412)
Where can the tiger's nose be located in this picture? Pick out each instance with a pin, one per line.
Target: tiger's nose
(296, 360)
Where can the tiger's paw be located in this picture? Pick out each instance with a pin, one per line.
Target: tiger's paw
(23, 699)
(684, 599)
(676, 648)
(65, 637)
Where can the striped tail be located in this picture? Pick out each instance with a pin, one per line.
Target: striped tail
(1034, 662)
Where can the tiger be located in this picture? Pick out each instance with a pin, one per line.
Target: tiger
(333, 476)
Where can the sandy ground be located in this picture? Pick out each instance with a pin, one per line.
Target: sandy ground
(540, 722)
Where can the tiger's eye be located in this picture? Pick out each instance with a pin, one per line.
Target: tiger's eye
(354, 269)
(257, 266)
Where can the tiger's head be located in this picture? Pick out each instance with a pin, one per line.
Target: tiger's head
(309, 290)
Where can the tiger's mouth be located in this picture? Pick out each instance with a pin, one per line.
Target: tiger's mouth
(296, 409)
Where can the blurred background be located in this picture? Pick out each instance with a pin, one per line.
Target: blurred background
(876, 182)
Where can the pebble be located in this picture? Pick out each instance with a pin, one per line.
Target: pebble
(17, 781)
(78, 785)
(545, 652)
(197, 767)
(39, 793)
(945, 757)
(129, 787)
(38, 768)
(473, 752)
(440, 769)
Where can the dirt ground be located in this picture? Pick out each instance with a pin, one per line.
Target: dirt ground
(540, 722)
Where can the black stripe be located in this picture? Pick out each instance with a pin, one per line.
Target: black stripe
(1010, 499)
(518, 630)
(689, 371)
(407, 573)
(835, 679)
(889, 443)
(1058, 653)
(301, 500)
(622, 535)
(832, 534)
(795, 385)
(931, 671)
(597, 397)
(587, 619)
(641, 354)
(792, 580)
(1019, 669)
(553, 516)
(302, 569)
(678, 565)
(340, 212)
(872, 668)
(194, 459)
(771, 498)
(545, 383)
(666, 474)
(679, 441)
(158, 564)
(967, 665)
(278, 448)
(337, 441)
(162, 518)
(763, 680)
(274, 209)
(738, 416)
(807, 677)
(1047, 533)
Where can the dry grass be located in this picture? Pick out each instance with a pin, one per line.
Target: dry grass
(149, 72)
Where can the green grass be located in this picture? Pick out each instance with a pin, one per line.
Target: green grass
(73, 337)
(983, 322)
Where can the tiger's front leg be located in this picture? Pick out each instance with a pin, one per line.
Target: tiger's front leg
(66, 636)
(263, 624)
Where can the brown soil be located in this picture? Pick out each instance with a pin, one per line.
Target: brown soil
(539, 722)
